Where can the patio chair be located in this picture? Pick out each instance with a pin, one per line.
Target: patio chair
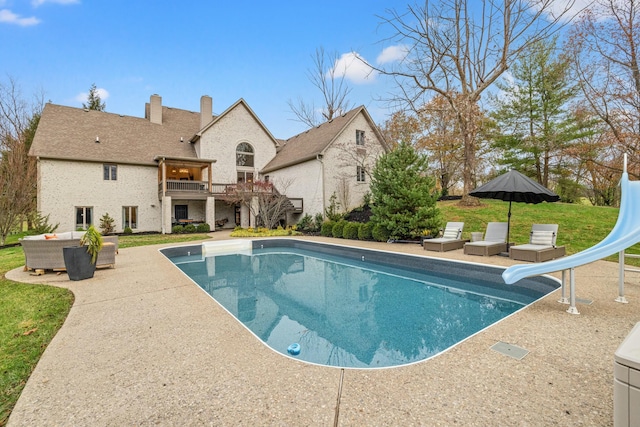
(450, 238)
(495, 241)
(541, 247)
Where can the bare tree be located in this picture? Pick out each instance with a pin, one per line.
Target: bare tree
(331, 83)
(265, 202)
(458, 48)
(18, 121)
(605, 45)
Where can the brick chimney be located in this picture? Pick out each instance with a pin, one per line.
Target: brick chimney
(155, 109)
(206, 110)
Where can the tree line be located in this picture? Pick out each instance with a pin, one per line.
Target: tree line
(486, 86)
(483, 96)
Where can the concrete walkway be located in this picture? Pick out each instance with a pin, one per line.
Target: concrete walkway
(143, 345)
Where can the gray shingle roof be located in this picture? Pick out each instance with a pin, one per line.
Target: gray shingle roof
(307, 145)
(70, 133)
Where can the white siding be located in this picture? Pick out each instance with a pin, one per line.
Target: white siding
(67, 184)
(303, 181)
(316, 180)
(342, 158)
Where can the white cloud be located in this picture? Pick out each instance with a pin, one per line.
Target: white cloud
(392, 54)
(8, 17)
(354, 68)
(557, 8)
(82, 96)
(36, 3)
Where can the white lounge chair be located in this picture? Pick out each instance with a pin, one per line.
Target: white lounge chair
(541, 247)
(451, 239)
(495, 241)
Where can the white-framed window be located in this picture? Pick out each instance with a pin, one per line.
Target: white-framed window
(360, 174)
(84, 217)
(110, 172)
(244, 176)
(360, 137)
(130, 217)
(244, 155)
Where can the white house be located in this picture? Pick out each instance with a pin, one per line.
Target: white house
(177, 166)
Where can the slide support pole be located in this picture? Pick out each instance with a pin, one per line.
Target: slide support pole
(621, 297)
(572, 292)
(563, 289)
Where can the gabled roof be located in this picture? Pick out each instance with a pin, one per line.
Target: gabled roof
(309, 144)
(70, 133)
(219, 117)
(313, 142)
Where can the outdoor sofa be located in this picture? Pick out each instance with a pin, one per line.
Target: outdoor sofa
(450, 240)
(44, 251)
(541, 247)
(494, 242)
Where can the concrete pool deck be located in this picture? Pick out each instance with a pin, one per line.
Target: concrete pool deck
(143, 345)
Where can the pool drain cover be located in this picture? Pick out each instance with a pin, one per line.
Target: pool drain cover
(510, 350)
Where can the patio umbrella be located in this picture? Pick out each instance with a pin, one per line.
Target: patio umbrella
(514, 187)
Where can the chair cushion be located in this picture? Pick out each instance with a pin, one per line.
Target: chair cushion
(450, 233)
(542, 237)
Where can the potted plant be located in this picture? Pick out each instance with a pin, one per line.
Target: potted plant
(80, 261)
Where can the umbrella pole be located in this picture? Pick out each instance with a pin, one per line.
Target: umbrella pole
(508, 225)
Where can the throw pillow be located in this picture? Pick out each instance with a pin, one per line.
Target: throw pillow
(450, 233)
(542, 237)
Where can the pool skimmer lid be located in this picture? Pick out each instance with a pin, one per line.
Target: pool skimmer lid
(510, 350)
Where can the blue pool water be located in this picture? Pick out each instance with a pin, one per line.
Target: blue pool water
(355, 308)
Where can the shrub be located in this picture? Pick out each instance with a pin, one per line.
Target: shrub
(380, 233)
(107, 224)
(203, 228)
(189, 228)
(337, 229)
(306, 223)
(350, 230)
(318, 219)
(364, 232)
(327, 228)
(128, 230)
(332, 211)
(177, 229)
(41, 225)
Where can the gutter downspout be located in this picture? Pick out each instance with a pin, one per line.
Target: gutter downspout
(319, 158)
(164, 192)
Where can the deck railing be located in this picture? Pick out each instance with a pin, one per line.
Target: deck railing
(219, 190)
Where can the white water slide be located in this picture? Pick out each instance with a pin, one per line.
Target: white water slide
(624, 234)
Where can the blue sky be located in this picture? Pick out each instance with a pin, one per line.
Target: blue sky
(259, 51)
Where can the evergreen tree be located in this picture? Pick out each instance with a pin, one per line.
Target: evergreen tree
(93, 100)
(532, 114)
(404, 196)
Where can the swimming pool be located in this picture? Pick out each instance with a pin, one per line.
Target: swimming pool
(351, 307)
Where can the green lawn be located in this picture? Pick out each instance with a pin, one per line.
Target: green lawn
(579, 226)
(30, 315)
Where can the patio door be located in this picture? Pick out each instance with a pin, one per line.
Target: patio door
(181, 212)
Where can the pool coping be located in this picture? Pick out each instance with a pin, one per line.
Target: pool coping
(143, 345)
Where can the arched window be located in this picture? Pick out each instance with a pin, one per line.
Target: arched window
(244, 155)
